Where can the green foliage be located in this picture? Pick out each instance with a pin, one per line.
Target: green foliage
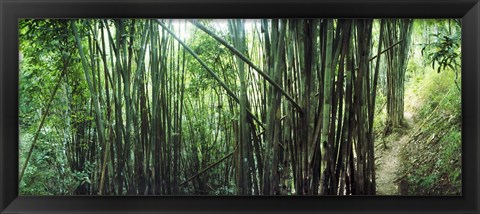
(436, 91)
(432, 158)
(380, 114)
(445, 50)
(150, 118)
(48, 172)
(225, 191)
(211, 53)
(46, 49)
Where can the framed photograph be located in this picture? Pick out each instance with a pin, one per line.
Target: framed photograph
(122, 106)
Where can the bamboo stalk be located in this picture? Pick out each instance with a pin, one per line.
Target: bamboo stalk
(250, 63)
(212, 73)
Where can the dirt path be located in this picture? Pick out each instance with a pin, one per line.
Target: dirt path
(388, 163)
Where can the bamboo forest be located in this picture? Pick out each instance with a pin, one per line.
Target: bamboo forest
(240, 107)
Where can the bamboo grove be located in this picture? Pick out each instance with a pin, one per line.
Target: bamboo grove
(208, 107)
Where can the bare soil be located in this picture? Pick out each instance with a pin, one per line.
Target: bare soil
(388, 161)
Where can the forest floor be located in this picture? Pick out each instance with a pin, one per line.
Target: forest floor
(388, 159)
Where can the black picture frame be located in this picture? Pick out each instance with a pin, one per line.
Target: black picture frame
(12, 10)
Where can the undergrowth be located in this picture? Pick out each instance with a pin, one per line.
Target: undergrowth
(432, 157)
